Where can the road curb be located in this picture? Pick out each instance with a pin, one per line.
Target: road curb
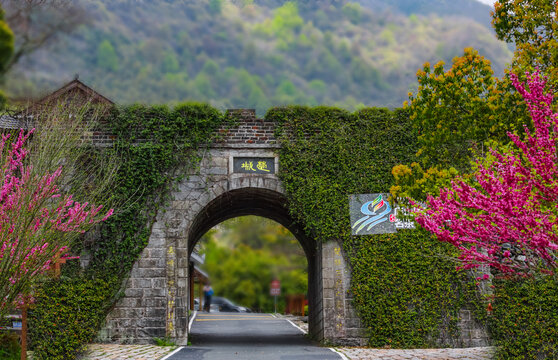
(192, 320)
(172, 353)
(293, 324)
(343, 356)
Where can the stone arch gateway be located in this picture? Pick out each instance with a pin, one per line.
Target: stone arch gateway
(155, 301)
(265, 203)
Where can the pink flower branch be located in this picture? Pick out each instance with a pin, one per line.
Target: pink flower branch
(506, 217)
(34, 216)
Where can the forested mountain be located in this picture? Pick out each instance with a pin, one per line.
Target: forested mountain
(259, 53)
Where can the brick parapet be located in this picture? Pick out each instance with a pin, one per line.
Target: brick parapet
(247, 129)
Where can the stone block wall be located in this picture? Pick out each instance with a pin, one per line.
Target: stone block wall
(341, 324)
(472, 333)
(316, 314)
(156, 294)
(141, 314)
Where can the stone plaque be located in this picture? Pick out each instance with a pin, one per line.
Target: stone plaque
(371, 214)
(254, 165)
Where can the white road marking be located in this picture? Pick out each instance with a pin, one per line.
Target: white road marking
(235, 319)
(343, 356)
(191, 321)
(172, 353)
(290, 322)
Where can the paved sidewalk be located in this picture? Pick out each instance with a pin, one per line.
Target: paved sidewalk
(479, 353)
(126, 352)
(152, 352)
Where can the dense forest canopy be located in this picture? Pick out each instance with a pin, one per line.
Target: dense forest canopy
(258, 54)
(243, 255)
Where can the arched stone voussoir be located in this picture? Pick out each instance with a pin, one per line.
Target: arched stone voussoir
(246, 201)
(216, 190)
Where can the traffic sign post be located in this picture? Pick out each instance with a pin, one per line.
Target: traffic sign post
(275, 290)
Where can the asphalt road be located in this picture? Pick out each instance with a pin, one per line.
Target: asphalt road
(247, 336)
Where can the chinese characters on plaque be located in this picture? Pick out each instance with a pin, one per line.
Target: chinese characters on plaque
(249, 165)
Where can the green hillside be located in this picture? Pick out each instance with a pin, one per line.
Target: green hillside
(259, 54)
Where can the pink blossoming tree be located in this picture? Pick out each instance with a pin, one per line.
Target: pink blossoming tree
(37, 221)
(505, 215)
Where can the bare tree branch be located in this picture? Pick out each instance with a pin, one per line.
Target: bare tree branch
(35, 23)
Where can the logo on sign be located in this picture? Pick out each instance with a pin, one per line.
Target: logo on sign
(375, 212)
(371, 214)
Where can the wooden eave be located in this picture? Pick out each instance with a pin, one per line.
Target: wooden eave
(199, 275)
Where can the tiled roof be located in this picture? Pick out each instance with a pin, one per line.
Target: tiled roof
(73, 89)
(76, 86)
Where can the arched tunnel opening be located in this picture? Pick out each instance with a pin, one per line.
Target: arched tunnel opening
(262, 203)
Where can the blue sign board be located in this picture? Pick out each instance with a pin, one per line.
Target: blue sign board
(371, 214)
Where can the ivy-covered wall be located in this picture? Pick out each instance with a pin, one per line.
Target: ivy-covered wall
(408, 292)
(524, 320)
(405, 286)
(152, 144)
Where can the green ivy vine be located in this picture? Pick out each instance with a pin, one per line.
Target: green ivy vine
(407, 291)
(154, 144)
(524, 320)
